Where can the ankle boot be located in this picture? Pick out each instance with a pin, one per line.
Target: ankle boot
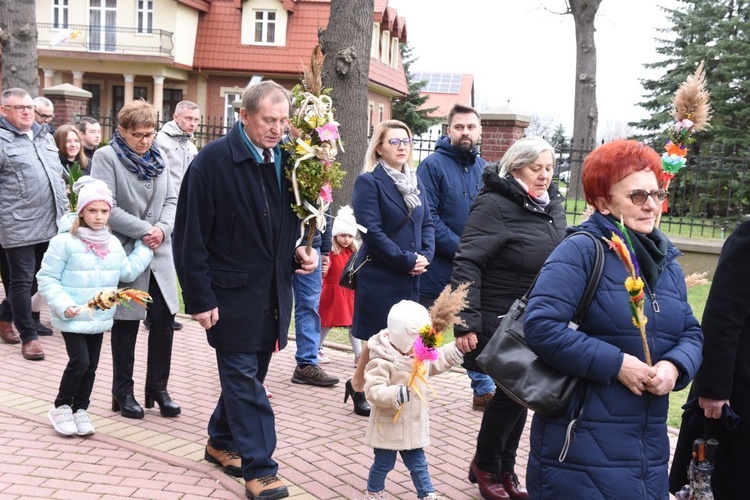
(361, 406)
(512, 486)
(40, 328)
(167, 407)
(127, 406)
(490, 484)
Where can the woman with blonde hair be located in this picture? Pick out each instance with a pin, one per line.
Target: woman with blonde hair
(399, 242)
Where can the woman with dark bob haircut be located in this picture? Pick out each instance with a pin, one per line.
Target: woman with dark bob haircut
(618, 445)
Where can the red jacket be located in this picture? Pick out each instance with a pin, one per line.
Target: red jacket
(336, 302)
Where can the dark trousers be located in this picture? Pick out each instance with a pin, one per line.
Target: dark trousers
(5, 312)
(23, 264)
(243, 419)
(160, 336)
(78, 378)
(500, 433)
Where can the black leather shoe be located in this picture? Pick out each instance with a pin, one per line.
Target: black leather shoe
(40, 328)
(361, 406)
(167, 407)
(127, 406)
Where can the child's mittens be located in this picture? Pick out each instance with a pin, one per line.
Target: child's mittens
(402, 395)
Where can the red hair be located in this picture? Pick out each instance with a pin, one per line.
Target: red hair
(612, 162)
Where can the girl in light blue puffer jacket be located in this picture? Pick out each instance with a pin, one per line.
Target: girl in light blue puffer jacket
(78, 264)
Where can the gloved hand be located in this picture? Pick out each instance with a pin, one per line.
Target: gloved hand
(402, 396)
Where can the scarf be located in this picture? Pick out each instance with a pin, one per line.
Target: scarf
(96, 240)
(650, 251)
(542, 201)
(406, 183)
(148, 166)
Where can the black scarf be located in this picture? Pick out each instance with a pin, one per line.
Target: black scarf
(650, 252)
(148, 166)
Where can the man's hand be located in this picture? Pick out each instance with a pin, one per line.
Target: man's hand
(712, 407)
(308, 263)
(207, 319)
(153, 238)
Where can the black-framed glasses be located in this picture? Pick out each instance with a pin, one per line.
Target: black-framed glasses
(139, 137)
(397, 142)
(22, 107)
(640, 196)
(42, 115)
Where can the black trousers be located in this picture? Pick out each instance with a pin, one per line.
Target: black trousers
(23, 264)
(500, 433)
(160, 335)
(78, 378)
(5, 313)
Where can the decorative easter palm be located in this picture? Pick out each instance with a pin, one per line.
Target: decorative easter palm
(692, 112)
(74, 173)
(315, 171)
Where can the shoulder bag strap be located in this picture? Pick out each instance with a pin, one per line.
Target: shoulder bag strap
(403, 223)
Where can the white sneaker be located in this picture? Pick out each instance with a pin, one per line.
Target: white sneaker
(83, 423)
(322, 358)
(62, 420)
(431, 496)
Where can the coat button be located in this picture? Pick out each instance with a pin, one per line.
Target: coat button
(413, 245)
(149, 214)
(148, 185)
(265, 213)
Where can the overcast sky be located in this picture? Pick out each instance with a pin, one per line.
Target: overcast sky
(522, 54)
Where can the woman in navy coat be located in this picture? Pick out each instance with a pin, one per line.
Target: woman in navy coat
(617, 447)
(399, 242)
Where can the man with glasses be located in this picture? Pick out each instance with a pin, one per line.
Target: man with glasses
(44, 112)
(451, 178)
(32, 200)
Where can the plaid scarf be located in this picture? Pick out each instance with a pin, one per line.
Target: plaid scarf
(148, 166)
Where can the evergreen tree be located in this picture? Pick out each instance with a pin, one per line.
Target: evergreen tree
(409, 109)
(718, 33)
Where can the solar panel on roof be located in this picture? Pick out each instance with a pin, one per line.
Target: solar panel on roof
(443, 83)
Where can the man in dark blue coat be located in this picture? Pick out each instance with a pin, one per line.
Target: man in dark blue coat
(234, 246)
(451, 178)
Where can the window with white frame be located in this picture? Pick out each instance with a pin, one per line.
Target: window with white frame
(265, 26)
(385, 46)
(375, 45)
(145, 16)
(370, 110)
(60, 13)
(231, 115)
(381, 112)
(394, 53)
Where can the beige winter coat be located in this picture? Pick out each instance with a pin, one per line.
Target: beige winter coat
(386, 371)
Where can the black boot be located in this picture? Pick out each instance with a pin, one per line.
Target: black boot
(127, 406)
(41, 330)
(167, 407)
(361, 406)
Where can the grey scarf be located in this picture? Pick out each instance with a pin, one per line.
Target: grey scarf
(406, 183)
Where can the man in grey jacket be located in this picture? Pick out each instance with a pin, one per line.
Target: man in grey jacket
(176, 139)
(32, 200)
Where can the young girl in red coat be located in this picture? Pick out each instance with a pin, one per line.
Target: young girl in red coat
(337, 302)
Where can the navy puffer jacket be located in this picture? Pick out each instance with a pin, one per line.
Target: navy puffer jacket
(620, 447)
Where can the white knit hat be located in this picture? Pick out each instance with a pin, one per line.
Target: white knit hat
(90, 190)
(344, 223)
(404, 322)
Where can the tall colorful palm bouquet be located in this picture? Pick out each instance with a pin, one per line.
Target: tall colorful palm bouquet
(315, 171)
(692, 112)
(443, 316)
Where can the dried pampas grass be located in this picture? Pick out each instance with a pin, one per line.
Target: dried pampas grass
(444, 312)
(691, 101)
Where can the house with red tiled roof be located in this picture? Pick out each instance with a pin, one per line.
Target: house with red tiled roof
(205, 51)
(445, 90)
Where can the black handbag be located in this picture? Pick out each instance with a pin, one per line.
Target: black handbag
(515, 367)
(348, 277)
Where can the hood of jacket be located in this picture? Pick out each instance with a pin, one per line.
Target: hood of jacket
(508, 187)
(36, 129)
(444, 146)
(380, 347)
(172, 130)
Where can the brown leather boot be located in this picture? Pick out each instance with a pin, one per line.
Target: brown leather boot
(479, 403)
(32, 350)
(265, 488)
(7, 334)
(512, 486)
(490, 484)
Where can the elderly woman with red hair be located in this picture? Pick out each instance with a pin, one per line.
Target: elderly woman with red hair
(612, 440)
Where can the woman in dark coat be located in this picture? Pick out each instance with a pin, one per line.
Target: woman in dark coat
(617, 446)
(515, 223)
(399, 242)
(724, 376)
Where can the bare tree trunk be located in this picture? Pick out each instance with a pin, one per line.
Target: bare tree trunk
(18, 36)
(346, 43)
(586, 114)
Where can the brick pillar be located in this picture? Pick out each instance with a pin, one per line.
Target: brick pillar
(69, 102)
(501, 127)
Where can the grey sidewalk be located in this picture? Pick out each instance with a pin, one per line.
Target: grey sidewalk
(321, 450)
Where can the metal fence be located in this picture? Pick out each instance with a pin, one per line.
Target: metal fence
(707, 199)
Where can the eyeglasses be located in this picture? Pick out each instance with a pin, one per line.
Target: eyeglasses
(21, 107)
(396, 142)
(139, 137)
(42, 115)
(640, 196)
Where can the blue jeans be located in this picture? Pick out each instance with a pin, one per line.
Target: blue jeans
(307, 288)
(481, 383)
(414, 460)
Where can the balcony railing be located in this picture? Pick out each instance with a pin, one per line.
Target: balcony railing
(107, 39)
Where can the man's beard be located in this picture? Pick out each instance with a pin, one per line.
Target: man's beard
(463, 148)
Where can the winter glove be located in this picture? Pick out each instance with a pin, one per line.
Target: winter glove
(402, 395)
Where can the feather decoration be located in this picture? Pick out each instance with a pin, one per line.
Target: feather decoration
(110, 298)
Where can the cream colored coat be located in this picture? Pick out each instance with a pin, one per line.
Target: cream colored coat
(386, 371)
